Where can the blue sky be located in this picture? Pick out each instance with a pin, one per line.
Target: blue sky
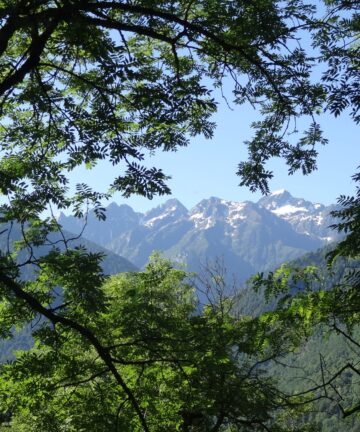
(207, 167)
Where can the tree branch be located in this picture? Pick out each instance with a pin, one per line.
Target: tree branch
(35, 50)
(36, 306)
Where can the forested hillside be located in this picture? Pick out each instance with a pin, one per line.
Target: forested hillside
(323, 353)
(111, 264)
(92, 86)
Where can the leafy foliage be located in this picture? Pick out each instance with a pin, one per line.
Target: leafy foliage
(187, 369)
(91, 81)
(308, 301)
(85, 81)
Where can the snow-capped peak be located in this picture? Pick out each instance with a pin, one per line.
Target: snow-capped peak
(278, 192)
(208, 212)
(282, 203)
(170, 210)
(303, 215)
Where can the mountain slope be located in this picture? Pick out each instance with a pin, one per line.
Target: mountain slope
(304, 216)
(324, 352)
(248, 236)
(111, 263)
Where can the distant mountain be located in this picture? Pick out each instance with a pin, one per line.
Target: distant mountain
(167, 213)
(119, 219)
(305, 217)
(248, 236)
(111, 264)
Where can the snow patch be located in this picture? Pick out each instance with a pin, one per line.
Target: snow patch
(201, 221)
(327, 239)
(278, 192)
(232, 214)
(319, 220)
(289, 209)
(197, 216)
(236, 216)
(152, 222)
(305, 218)
(170, 212)
(235, 212)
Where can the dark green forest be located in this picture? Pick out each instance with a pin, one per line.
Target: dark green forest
(89, 81)
(322, 351)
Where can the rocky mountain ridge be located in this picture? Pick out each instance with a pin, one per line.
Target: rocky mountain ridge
(248, 236)
(304, 216)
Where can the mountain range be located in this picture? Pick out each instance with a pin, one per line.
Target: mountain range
(247, 236)
(111, 263)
